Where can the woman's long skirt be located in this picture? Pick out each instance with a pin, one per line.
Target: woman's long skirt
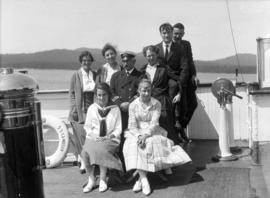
(102, 153)
(160, 153)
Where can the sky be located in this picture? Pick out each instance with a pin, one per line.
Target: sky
(36, 25)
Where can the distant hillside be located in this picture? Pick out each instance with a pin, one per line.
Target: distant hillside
(68, 59)
(229, 64)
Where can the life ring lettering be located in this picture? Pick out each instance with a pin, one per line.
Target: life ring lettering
(55, 125)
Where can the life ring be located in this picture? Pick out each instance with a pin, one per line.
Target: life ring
(56, 140)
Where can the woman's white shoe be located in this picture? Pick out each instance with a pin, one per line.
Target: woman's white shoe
(145, 187)
(138, 186)
(102, 186)
(90, 185)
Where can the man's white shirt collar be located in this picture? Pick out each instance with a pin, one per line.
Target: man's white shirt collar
(130, 71)
(168, 44)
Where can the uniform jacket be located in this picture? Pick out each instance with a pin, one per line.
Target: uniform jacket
(124, 87)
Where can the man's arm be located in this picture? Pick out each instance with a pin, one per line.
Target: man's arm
(190, 59)
(115, 97)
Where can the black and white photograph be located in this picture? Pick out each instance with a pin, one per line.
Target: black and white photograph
(115, 99)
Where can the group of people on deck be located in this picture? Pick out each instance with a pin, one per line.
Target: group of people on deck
(133, 120)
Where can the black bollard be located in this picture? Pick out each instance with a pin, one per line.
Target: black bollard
(23, 158)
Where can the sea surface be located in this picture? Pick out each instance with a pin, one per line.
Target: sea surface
(60, 79)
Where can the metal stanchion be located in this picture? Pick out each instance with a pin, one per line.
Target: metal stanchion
(223, 90)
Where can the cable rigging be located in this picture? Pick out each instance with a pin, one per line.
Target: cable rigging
(236, 54)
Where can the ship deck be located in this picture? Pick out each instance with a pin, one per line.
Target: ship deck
(203, 178)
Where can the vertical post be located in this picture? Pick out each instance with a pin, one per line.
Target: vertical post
(223, 140)
(229, 108)
(223, 133)
(3, 181)
(255, 135)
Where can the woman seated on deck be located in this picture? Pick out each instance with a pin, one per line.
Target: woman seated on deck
(146, 148)
(103, 129)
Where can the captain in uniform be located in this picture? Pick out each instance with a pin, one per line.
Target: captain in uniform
(124, 85)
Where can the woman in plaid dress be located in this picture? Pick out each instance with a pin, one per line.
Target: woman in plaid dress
(146, 148)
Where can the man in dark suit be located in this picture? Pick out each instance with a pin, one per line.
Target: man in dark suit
(178, 33)
(173, 56)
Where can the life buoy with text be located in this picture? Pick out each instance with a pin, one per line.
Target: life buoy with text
(56, 140)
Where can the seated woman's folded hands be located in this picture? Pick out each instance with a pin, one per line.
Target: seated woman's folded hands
(141, 140)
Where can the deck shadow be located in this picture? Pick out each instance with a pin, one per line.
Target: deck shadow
(221, 182)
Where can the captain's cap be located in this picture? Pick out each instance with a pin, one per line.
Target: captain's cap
(127, 55)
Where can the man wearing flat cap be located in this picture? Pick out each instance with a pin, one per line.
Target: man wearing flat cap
(124, 85)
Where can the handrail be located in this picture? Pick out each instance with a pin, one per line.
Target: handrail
(53, 91)
(56, 91)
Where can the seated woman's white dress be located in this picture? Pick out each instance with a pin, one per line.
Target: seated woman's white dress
(104, 152)
(160, 152)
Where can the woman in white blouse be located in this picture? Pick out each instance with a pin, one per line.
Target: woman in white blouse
(103, 128)
(146, 148)
(106, 71)
(81, 97)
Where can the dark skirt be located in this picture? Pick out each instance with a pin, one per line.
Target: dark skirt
(102, 153)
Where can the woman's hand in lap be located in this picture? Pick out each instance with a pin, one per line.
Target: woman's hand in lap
(108, 137)
(141, 141)
(100, 139)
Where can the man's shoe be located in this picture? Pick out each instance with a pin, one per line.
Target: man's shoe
(183, 134)
(162, 176)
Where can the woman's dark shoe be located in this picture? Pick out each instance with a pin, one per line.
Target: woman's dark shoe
(75, 163)
(82, 171)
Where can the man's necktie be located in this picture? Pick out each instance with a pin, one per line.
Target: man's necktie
(166, 52)
(128, 74)
(103, 127)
